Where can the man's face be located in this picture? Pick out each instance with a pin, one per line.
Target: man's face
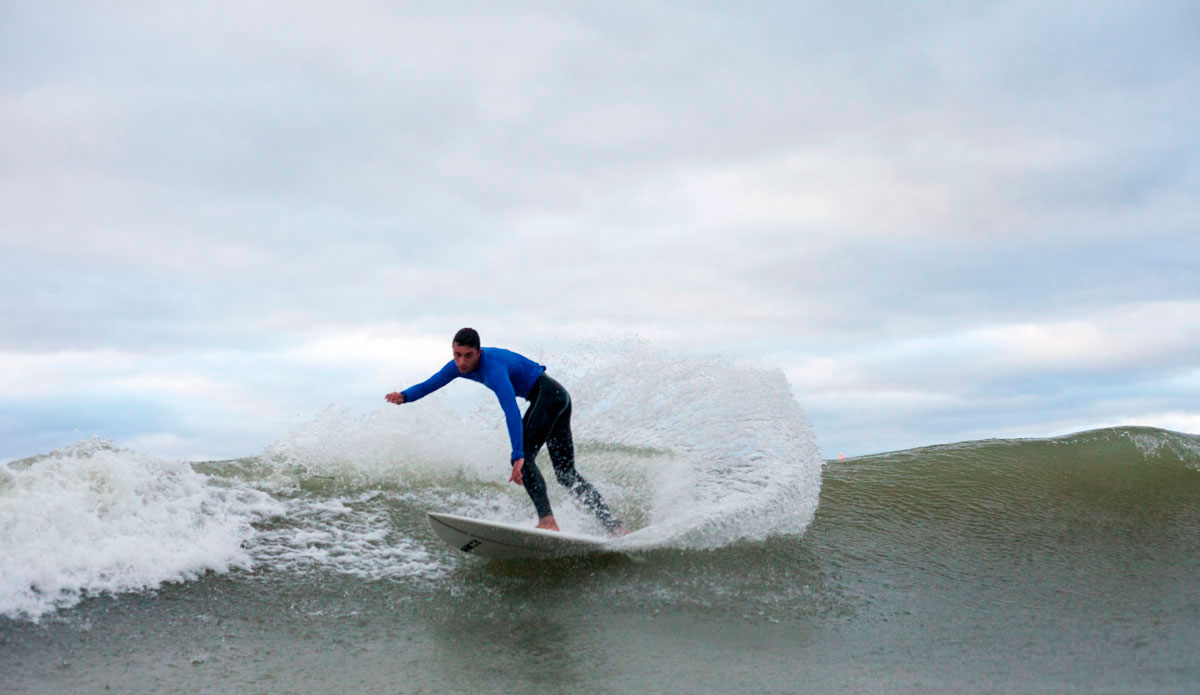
(465, 358)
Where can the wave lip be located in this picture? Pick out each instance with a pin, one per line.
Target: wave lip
(93, 518)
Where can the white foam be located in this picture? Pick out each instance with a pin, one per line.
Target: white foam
(1154, 442)
(93, 518)
(351, 535)
(698, 452)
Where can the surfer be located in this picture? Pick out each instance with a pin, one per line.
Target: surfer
(546, 421)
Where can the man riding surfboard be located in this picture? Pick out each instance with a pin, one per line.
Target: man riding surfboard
(546, 421)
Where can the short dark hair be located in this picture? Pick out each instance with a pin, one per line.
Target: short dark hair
(467, 337)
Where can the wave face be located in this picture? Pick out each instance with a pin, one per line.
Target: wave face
(1116, 508)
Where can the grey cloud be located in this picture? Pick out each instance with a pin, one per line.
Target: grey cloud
(247, 177)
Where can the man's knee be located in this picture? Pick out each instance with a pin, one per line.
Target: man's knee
(568, 478)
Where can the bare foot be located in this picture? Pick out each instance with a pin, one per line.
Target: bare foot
(548, 523)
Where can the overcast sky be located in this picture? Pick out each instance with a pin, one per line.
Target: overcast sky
(941, 221)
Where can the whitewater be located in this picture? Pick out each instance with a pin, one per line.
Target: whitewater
(688, 467)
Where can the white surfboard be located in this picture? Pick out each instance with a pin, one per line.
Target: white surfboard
(497, 541)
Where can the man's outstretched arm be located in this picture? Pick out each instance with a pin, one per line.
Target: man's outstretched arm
(444, 376)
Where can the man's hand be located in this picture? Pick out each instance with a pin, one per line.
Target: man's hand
(516, 474)
(396, 397)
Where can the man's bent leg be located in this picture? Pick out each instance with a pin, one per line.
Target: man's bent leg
(544, 408)
(547, 402)
(562, 455)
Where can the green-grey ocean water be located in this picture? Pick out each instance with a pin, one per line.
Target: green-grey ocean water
(1013, 566)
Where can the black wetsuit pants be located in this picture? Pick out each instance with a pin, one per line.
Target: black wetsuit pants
(548, 421)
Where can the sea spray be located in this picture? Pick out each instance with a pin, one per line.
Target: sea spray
(697, 451)
(738, 459)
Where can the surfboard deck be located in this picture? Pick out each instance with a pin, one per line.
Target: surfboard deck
(498, 541)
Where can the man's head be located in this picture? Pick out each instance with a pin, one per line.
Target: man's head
(466, 350)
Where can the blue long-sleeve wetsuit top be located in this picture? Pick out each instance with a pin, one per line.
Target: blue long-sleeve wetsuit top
(505, 372)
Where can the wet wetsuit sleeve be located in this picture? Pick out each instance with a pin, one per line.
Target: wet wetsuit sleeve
(502, 386)
(433, 383)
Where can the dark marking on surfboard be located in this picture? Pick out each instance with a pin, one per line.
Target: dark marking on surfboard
(475, 543)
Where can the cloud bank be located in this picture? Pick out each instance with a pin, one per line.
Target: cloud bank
(941, 223)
